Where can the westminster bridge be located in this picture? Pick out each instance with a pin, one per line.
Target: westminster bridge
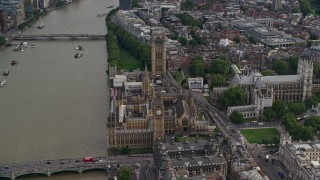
(51, 167)
(59, 37)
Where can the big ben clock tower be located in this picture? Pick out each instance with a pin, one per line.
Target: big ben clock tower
(158, 119)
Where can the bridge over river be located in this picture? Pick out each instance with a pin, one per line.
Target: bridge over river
(60, 37)
(50, 167)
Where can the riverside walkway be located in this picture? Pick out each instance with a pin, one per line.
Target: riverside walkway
(60, 37)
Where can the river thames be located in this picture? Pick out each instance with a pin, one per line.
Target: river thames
(54, 106)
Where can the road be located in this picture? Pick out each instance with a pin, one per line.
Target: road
(268, 167)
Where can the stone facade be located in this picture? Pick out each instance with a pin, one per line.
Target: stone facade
(301, 159)
(194, 160)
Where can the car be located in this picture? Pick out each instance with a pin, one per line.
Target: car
(88, 159)
(48, 162)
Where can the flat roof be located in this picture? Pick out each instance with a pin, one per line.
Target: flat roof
(305, 146)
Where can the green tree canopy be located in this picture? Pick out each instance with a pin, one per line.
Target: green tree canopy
(280, 67)
(310, 43)
(305, 7)
(267, 72)
(268, 114)
(188, 20)
(314, 36)
(188, 5)
(297, 108)
(313, 122)
(125, 173)
(232, 97)
(2, 41)
(236, 117)
(279, 108)
(220, 65)
(296, 130)
(125, 150)
(197, 67)
(293, 64)
(183, 41)
(316, 71)
(311, 101)
(217, 81)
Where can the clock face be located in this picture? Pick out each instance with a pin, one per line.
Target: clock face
(158, 112)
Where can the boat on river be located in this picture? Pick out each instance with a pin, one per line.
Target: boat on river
(5, 72)
(33, 45)
(21, 46)
(14, 62)
(78, 55)
(110, 6)
(2, 83)
(41, 26)
(79, 47)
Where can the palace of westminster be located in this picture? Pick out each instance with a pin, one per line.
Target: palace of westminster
(144, 109)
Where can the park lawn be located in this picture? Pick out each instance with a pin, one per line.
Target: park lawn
(128, 61)
(256, 135)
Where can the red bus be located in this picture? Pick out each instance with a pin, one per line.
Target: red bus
(88, 159)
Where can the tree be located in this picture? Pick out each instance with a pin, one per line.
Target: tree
(219, 67)
(267, 72)
(125, 150)
(183, 41)
(279, 108)
(280, 67)
(310, 43)
(314, 36)
(217, 81)
(269, 114)
(297, 131)
(232, 97)
(236, 117)
(135, 3)
(125, 173)
(305, 7)
(183, 82)
(188, 5)
(2, 41)
(311, 101)
(293, 64)
(197, 67)
(313, 122)
(237, 40)
(316, 71)
(193, 42)
(297, 108)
